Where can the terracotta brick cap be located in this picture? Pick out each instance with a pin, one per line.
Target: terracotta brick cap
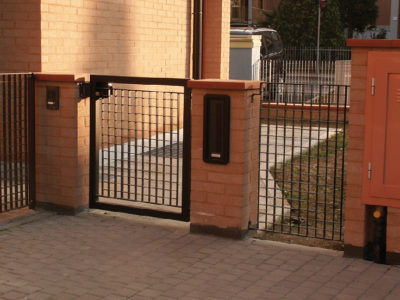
(59, 77)
(373, 43)
(218, 84)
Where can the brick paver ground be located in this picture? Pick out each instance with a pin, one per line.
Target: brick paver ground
(116, 256)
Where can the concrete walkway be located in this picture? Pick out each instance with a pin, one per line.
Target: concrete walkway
(280, 144)
(116, 256)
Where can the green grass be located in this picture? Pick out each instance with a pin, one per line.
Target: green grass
(312, 183)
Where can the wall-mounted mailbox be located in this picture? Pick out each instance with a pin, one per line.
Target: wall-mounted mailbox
(216, 129)
(53, 97)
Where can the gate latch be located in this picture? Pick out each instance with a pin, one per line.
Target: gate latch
(369, 170)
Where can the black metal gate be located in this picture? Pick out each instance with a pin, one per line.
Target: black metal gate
(17, 141)
(303, 143)
(140, 145)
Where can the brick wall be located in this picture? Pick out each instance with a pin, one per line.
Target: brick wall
(355, 210)
(393, 231)
(355, 221)
(62, 148)
(150, 38)
(136, 38)
(20, 36)
(216, 39)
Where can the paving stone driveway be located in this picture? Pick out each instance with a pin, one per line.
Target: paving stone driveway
(116, 256)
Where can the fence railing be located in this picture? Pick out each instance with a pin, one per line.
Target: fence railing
(303, 143)
(331, 66)
(17, 134)
(303, 93)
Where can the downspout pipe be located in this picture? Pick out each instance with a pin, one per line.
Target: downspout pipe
(250, 12)
(198, 39)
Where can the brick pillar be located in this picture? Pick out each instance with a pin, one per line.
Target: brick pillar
(216, 39)
(224, 197)
(62, 147)
(355, 210)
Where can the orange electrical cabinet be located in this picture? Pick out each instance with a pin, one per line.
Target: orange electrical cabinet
(381, 177)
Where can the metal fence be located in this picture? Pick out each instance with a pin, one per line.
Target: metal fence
(306, 93)
(303, 164)
(308, 66)
(142, 147)
(17, 135)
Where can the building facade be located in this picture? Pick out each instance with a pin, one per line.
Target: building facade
(241, 14)
(150, 38)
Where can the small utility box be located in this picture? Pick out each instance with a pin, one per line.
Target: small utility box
(381, 178)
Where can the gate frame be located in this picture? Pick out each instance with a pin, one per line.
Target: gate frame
(31, 132)
(93, 154)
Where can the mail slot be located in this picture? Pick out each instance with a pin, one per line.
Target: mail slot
(216, 129)
(53, 97)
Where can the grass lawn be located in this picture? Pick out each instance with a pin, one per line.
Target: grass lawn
(314, 184)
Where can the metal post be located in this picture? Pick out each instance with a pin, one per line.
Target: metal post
(250, 12)
(31, 141)
(318, 37)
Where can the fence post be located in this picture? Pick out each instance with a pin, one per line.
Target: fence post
(62, 146)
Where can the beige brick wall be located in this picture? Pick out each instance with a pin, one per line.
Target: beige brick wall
(135, 38)
(150, 38)
(20, 36)
(216, 39)
(62, 148)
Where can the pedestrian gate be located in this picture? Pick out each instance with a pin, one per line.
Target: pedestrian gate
(140, 145)
(17, 141)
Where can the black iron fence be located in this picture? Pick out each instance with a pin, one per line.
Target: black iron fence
(17, 133)
(142, 146)
(303, 162)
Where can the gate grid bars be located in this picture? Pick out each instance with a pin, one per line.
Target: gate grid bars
(17, 142)
(303, 143)
(140, 146)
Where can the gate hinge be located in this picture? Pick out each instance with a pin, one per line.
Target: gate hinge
(373, 86)
(261, 93)
(369, 170)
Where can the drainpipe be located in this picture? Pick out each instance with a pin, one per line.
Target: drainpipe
(250, 12)
(198, 39)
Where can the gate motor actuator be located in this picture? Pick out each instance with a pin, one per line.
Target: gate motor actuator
(102, 90)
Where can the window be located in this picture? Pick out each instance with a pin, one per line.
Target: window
(235, 10)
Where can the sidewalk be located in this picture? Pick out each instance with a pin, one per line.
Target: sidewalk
(115, 256)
